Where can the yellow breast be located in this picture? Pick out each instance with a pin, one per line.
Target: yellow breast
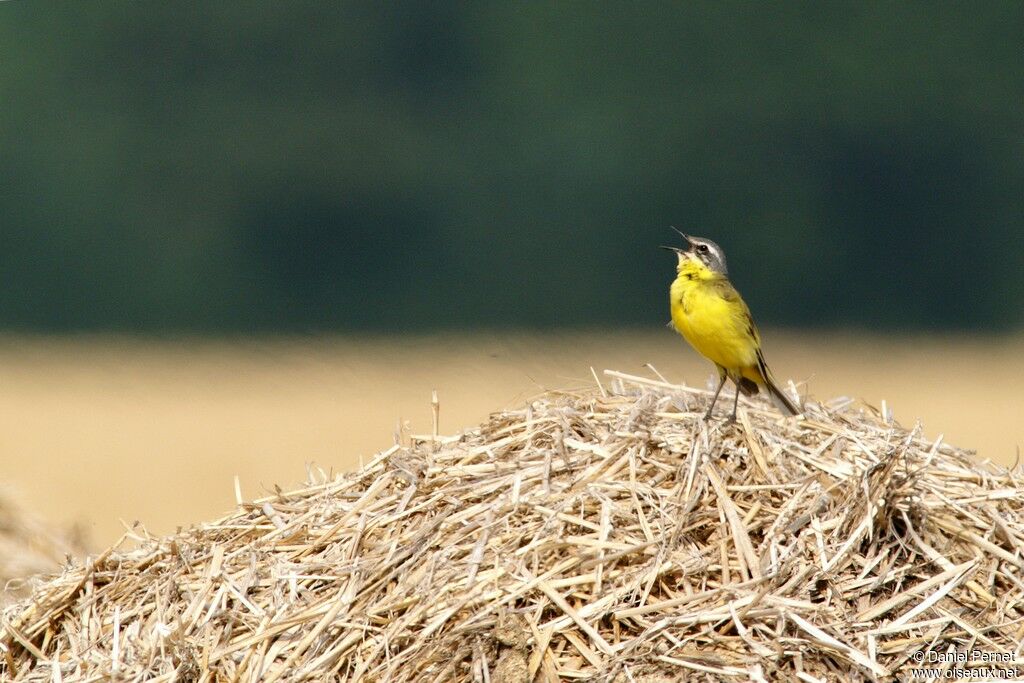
(718, 328)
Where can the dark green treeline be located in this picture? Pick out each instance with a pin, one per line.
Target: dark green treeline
(258, 166)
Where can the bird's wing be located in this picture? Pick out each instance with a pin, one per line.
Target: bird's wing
(783, 402)
(742, 312)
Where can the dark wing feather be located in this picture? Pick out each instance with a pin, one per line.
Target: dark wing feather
(783, 402)
(729, 293)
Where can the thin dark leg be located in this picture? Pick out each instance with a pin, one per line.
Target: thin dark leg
(721, 383)
(735, 402)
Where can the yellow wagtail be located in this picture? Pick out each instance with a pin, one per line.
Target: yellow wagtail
(711, 315)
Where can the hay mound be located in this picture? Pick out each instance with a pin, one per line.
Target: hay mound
(589, 536)
(28, 546)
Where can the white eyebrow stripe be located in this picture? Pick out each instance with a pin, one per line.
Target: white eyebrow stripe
(713, 256)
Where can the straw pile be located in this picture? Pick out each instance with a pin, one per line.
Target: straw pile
(602, 535)
(28, 546)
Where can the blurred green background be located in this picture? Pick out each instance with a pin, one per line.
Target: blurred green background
(280, 166)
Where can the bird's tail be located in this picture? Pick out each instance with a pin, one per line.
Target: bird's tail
(781, 401)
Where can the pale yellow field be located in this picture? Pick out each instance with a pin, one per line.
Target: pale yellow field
(100, 430)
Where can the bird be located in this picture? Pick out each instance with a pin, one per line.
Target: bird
(712, 316)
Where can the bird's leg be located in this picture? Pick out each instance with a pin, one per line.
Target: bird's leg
(721, 383)
(735, 402)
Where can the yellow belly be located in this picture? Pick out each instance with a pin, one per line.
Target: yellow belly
(715, 327)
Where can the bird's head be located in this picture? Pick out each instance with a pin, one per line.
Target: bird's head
(700, 253)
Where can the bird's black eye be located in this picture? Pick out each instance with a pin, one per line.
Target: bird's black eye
(702, 248)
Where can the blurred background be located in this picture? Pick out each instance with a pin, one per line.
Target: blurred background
(240, 237)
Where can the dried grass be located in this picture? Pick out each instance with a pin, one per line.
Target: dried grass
(29, 546)
(600, 535)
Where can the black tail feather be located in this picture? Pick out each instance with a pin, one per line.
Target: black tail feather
(781, 401)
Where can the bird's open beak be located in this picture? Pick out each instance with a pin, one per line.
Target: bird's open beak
(682, 234)
(675, 249)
